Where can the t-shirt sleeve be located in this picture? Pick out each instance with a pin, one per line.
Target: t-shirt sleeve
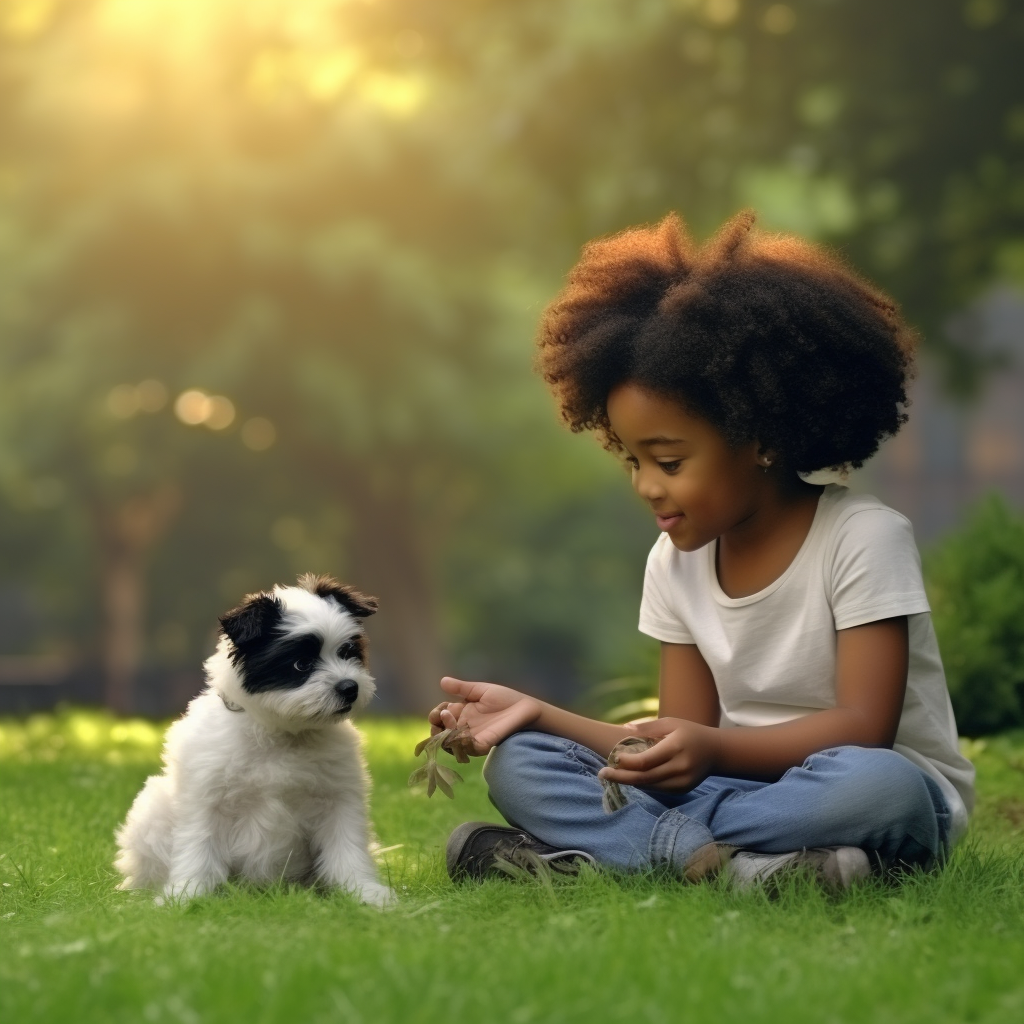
(876, 569)
(659, 616)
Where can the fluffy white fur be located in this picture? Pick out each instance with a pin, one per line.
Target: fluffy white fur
(275, 791)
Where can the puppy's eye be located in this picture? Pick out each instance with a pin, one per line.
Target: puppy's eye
(303, 664)
(349, 650)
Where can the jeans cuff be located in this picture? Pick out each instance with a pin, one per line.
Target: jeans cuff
(675, 839)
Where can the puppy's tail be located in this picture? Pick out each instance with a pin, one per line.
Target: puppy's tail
(144, 840)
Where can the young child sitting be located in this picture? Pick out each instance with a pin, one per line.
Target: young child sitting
(804, 716)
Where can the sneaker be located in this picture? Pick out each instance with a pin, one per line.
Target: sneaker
(477, 849)
(835, 867)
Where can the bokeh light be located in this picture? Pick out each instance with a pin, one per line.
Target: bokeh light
(258, 434)
(192, 407)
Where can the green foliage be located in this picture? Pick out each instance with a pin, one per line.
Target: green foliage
(976, 586)
(939, 949)
(345, 218)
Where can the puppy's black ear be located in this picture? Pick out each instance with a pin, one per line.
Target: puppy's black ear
(255, 618)
(348, 597)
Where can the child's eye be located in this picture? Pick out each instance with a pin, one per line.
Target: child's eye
(671, 467)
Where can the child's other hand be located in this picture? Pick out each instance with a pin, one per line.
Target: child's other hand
(484, 713)
(682, 757)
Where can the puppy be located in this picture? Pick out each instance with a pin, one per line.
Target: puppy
(263, 778)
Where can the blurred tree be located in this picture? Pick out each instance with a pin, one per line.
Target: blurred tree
(240, 227)
(896, 131)
(344, 217)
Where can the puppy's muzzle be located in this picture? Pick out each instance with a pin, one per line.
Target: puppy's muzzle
(347, 691)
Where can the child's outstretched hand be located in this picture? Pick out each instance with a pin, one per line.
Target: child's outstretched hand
(484, 714)
(683, 756)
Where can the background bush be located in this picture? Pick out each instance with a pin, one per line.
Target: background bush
(975, 582)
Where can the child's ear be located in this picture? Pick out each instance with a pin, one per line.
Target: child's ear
(766, 457)
(252, 620)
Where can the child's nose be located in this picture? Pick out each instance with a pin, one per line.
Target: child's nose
(647, 485)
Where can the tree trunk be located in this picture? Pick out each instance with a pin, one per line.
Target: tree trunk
(390, 563)
(127, 533)
(123, 588)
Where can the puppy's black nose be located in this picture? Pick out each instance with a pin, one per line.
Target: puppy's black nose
(347, 690)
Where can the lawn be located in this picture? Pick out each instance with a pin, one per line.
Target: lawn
(946, 947)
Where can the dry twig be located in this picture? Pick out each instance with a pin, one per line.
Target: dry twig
(613, 799)
(438, 776)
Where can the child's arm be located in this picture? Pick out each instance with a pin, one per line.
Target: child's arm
(871, 680)
(488, 713)
(686, 687)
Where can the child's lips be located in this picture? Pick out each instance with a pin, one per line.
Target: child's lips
(667, 522)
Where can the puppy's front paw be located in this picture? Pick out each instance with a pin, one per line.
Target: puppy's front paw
(380, 896)
(182, 892)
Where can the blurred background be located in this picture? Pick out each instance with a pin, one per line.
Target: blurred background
(270, 272)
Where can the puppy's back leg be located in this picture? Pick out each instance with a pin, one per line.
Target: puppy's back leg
(144, 840)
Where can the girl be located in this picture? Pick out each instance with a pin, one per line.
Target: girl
(804, 717)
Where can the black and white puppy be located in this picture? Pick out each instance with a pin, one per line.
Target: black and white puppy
(263, 777)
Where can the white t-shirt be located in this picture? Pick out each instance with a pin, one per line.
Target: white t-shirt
(773, 653)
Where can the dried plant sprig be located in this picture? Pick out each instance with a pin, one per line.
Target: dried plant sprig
(613, 799)
(438, 776)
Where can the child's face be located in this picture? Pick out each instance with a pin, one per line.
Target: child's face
(698, 486)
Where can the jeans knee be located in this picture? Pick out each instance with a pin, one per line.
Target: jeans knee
(504, 769)
(878, 783)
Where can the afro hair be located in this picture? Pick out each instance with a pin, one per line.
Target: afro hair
(768, 337)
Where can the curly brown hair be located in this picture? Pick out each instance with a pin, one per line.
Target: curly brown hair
(768, 337)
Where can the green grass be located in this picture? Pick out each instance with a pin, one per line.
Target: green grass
(947, 947)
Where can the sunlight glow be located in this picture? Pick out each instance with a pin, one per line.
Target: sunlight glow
(190, 61)
(398, 95)
(25, 19)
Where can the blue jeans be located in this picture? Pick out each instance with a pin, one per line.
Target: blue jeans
(849, 796)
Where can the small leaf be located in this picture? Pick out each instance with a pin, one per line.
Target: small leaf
(431, 783)
(450, 775)
(444, 786)
(418, 776)
(420, 746)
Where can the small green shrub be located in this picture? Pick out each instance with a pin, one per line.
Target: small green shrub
(975, 581)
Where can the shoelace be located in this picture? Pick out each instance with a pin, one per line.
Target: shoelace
(517, 860)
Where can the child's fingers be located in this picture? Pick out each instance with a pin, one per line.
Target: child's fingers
(654, 777)
(450, 715)
(655, 729)
(462, 688)
(647, 759)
